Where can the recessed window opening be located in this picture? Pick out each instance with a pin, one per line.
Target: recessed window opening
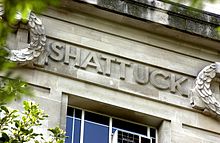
(89, 127)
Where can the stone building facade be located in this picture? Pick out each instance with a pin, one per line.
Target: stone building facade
(127, 71)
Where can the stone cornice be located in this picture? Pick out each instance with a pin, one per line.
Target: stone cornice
(166, 13)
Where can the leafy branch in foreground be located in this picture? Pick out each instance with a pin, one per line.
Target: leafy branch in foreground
(22, 127)
(12, 13)
(12, 10)
(13, 89)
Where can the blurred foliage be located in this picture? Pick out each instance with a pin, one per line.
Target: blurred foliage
(197, 3)
(13, 89)
(17, 127)
(10, 88)
(11, 8)
(11, 13)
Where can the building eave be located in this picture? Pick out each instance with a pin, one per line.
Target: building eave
(166, 13)
(168, 19)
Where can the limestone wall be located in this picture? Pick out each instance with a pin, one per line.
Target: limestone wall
(104, 65)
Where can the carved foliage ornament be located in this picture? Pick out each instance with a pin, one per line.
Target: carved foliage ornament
(202, 97)
(37, 39)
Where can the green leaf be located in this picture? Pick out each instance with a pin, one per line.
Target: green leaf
(26, 105)
(14, 141)
(60, 141)
(4, 137)
(4, 108)
(31, 131)
(218, 30)
(16, 124)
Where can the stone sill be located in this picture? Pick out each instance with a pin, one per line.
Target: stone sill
(166, 13)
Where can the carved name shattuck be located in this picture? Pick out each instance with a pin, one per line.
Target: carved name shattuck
(201, 96)
(102, 64)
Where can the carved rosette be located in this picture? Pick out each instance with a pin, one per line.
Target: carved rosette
(202, 97)
(37, 40)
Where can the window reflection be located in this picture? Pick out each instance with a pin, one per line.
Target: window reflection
(73, 125)
(96, 128)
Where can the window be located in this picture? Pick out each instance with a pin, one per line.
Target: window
(73, 128)
(87, 127)
(96, 128)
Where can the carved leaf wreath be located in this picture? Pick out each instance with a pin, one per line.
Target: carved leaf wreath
(202, 87)
(37, 40)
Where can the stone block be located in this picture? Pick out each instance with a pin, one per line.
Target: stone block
(138, 89)
(164, 132)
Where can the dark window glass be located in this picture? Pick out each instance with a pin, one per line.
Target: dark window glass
(129, 126)
(153, 140)
(78, 113)
(96, 118)
(77, 126)
(69, 126)
(96, 129)
(152, 132)
(145, 140)
(95, 133)
(70, 111)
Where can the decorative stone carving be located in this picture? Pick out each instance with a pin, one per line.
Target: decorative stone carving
(37, 40)
(201, 96)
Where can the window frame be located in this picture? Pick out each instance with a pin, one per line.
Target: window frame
(110, 125)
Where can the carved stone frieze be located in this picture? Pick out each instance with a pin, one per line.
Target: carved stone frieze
(69, 59)
(201, 95)
(37, 43)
